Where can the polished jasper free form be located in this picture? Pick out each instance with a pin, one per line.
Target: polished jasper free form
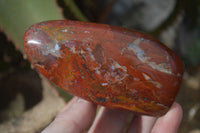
(110, 66)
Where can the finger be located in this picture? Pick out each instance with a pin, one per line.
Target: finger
(72, 101)
(141, 124)
(109, 121)
(170, 122)
(75, 119)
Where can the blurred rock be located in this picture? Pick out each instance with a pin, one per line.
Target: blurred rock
(15, 108)
(39, 116)
(189, 99)
(144, 15)
(193, 82)
(193, 111)
(195, 131)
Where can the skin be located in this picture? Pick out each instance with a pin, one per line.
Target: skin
(79, 116)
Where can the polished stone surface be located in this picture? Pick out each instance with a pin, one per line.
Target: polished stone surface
(110, 66)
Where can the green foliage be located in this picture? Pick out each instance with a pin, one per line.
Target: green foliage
(66, 96)
(75, 10)
(17, 15)
(193, 53)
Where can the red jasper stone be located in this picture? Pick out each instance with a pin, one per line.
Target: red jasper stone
(110, 66)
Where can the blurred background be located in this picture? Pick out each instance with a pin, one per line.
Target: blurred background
(29, 102)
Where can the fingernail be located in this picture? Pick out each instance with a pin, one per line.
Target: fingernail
(81, 100)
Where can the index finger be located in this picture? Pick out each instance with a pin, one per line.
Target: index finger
(75, 119)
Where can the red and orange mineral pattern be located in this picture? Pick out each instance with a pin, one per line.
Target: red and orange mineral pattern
(110, 66)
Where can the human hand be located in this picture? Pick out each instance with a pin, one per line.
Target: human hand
(79, 115)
